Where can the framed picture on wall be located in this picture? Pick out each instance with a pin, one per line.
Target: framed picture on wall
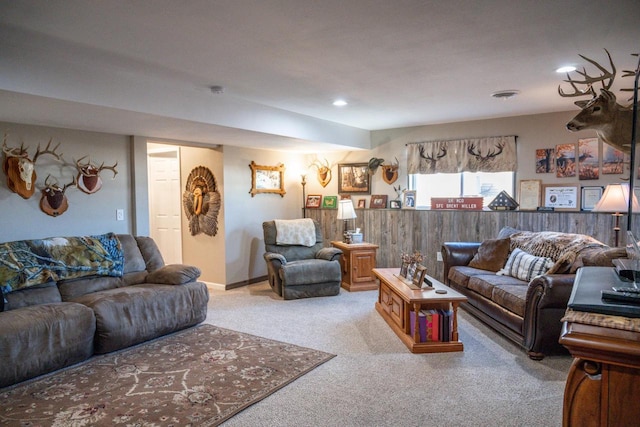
(313, 201)
(353, 178)
(330, 202)
(378, 201)
(561, 197)
(530, 191)
(590, 196)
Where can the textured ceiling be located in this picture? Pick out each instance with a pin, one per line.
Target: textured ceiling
(145, 67)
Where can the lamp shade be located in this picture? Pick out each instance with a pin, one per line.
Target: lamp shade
(345, 209)
(616, 199)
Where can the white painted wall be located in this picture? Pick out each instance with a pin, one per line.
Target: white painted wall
(244, 214)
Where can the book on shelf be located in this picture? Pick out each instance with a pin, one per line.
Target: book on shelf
(433, 322)
(422, 324)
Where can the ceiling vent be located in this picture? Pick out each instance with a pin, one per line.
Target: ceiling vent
(505, 94)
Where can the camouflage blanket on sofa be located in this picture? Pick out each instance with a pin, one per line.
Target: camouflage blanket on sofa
(28, 263)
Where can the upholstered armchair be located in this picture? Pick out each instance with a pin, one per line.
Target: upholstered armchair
(298, 265)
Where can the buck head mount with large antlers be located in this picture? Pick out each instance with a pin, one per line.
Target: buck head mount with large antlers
(611, 121)
(89, 180)
(19, 168)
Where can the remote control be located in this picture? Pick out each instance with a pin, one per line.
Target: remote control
(626, 297)
(629, 290)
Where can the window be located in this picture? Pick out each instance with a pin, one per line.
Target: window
(485, 184)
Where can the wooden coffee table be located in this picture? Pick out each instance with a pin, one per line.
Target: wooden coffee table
(396, 300)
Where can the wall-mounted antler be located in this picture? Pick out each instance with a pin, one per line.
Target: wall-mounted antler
(390, 172)
(606, 79)
(324, 171)
(89, 180)
(54, 201)
(19, 169)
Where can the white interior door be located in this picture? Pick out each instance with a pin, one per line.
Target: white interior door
(165, 200)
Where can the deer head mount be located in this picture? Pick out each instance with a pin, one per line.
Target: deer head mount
(53, 200)
(19, 168)
(611, 121)
(323, 171)
(88, 179)
(390, 172)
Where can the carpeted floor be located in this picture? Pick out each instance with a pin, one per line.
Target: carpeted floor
(197, 377)
(376, 381)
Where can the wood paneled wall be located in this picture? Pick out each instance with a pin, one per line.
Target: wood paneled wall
(399, 230)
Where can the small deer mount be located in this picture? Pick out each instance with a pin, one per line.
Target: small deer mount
(88, 179)
(323, 171)
(390, 172)
(54, 201)
(19, 168)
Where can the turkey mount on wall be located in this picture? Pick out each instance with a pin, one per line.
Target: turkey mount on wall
(201, 202)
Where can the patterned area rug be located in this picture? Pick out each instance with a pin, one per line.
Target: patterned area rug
(198, 377)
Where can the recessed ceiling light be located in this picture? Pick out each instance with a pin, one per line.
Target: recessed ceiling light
(505, 94)
(339, 102)
(566, 69)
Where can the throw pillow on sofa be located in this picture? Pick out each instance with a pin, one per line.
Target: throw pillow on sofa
(525, 266)
(492, 255)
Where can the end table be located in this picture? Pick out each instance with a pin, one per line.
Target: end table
(357, 262)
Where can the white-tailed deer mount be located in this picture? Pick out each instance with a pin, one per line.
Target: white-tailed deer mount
(390, 172)
(323, 171)
(611, 121)
(19, 168)
(54, 201)
(88, 179)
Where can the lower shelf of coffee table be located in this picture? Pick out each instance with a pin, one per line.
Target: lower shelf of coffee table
(419, 347)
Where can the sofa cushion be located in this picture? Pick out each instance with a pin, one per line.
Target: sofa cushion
(42, 338)
(150, 253)
(460, 274)
(310, 271)
(602, 257)
(41, 294)
(525, 266)
(174, 274)
(134, 314)
(511, 296)
(492, 254)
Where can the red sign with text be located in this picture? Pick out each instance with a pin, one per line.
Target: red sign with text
(457, 203)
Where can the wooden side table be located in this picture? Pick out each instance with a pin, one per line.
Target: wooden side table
(604, 380)
(357, 262)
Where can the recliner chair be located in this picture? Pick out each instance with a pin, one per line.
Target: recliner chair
(298, 271)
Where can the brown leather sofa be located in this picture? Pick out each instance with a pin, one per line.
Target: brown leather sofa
(526, 312)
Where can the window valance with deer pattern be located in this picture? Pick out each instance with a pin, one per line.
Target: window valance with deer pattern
(489, 154)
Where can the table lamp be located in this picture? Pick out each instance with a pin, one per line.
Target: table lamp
(616, 200)
(345, 213)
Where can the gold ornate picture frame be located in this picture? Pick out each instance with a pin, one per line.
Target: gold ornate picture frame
(267, 179)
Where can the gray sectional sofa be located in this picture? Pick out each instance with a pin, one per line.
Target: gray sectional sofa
(51, 319)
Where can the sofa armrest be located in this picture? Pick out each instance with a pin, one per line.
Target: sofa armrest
(457, 253)
(329, 254)
(274, 258)
(546, 303)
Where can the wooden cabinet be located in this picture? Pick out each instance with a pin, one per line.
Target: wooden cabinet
(603, 383)
(357, 261)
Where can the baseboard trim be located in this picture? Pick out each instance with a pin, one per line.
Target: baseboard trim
(245, 283)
